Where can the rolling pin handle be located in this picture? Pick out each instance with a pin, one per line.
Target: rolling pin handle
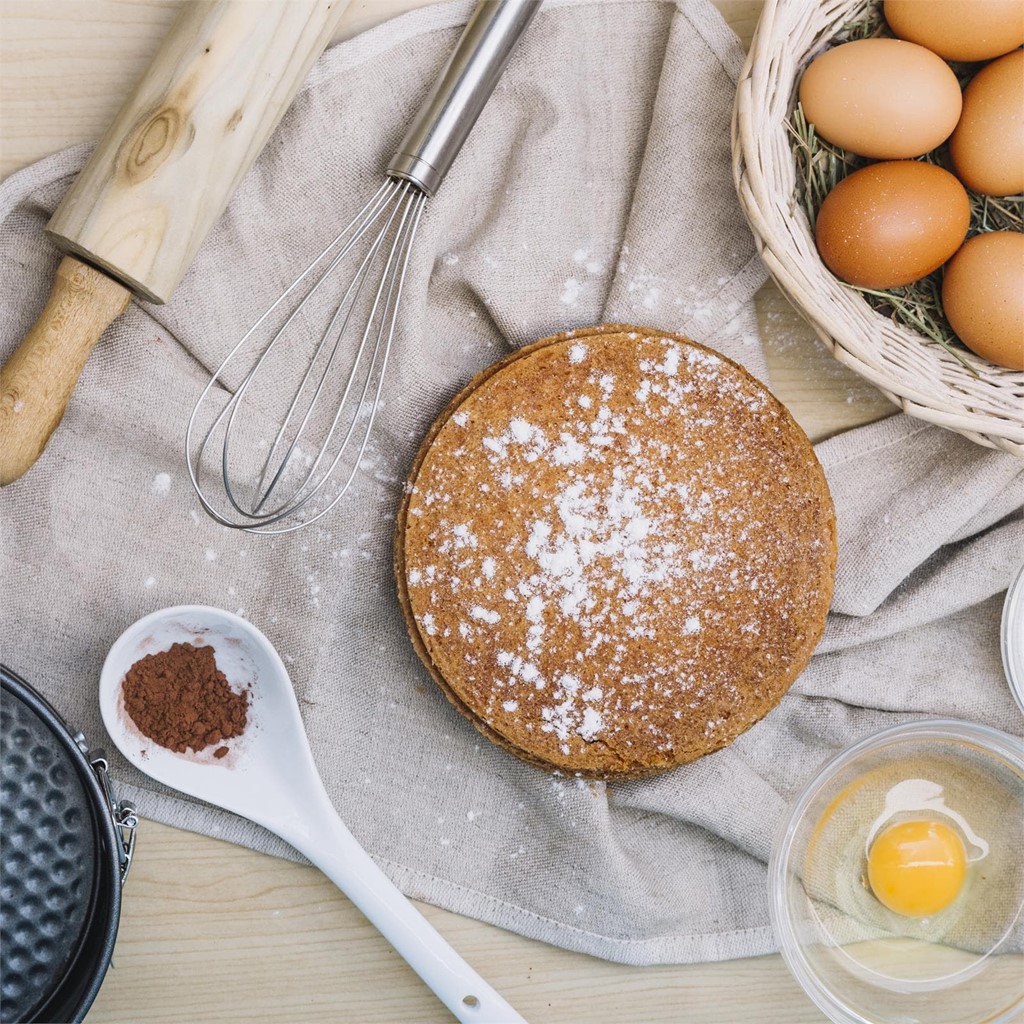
(37, 380)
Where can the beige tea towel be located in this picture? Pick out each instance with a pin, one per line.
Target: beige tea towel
(596, 187)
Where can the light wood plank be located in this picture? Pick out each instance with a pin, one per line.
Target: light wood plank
(210, 927)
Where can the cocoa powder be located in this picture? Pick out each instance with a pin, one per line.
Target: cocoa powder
(181, 700)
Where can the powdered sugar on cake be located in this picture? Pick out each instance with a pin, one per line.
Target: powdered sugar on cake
(605, 522)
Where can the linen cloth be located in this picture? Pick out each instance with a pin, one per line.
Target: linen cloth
(595, 187)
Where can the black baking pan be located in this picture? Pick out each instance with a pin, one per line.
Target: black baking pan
(65, 847)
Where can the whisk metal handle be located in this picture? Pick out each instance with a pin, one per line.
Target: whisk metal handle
(464, 86)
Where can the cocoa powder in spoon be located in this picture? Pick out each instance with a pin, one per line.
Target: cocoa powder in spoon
(181, 700)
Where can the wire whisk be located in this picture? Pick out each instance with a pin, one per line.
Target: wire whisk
(278, 434)
(334, 403)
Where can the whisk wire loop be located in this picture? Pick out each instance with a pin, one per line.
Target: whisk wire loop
(346, 306)
(394, 213)
(356, 227)
(394, 279)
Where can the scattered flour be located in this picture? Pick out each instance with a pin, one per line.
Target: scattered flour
(484, 614)
(570, 292)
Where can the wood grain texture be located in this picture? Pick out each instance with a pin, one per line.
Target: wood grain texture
(38, 379)
(161, 176)
(211, 930)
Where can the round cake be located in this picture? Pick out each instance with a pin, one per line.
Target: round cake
(616, 552)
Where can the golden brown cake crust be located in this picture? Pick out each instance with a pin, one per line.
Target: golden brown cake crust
(616, 551)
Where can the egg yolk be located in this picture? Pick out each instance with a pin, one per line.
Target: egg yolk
(917, 868)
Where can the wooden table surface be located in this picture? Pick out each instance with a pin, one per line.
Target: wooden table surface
(211, 931)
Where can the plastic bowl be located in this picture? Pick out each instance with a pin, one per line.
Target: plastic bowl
(858, 961)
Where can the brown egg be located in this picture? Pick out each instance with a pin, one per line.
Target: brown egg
(988, 145)
(959, 29)
(892, 223)
(881, 98)
(983, 296)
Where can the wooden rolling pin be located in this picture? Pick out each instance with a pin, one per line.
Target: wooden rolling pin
(154, 187)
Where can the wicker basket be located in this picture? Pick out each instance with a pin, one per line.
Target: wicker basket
(921, 377)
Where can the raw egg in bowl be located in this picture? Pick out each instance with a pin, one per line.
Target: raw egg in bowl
(897, 880)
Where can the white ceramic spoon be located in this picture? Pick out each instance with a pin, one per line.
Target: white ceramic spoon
(269, 777)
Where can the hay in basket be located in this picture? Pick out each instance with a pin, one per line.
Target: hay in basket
(956, 390)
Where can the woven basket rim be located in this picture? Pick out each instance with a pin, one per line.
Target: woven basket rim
(919, 376)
